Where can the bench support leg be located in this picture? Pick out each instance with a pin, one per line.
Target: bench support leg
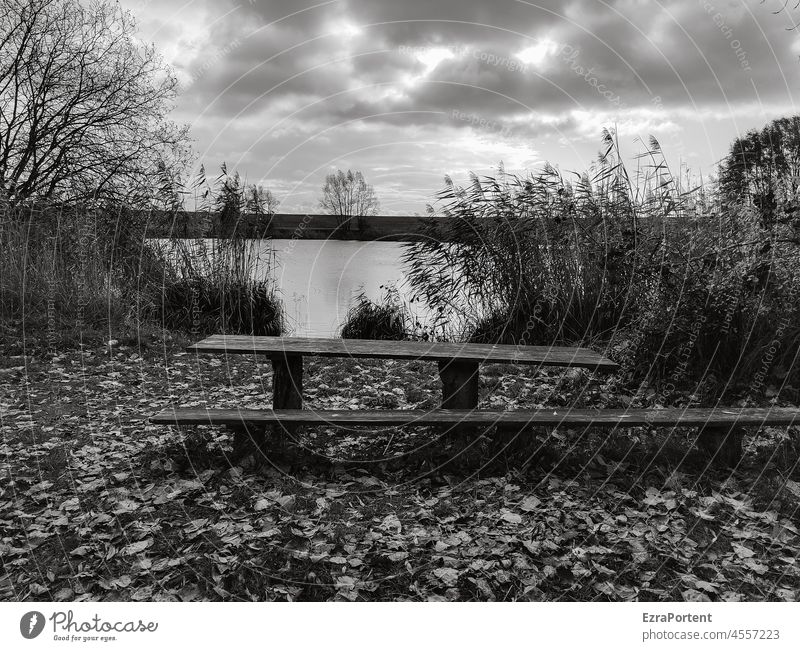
(459, 385)
(723, 443)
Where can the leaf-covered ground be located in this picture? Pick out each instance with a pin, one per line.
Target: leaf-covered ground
(95, 503)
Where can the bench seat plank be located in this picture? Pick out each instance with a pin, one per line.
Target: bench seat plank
(690, 417)
(414, 350)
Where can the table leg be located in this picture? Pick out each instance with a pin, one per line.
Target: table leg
(459, 384)
(287, 391)
(287, 382)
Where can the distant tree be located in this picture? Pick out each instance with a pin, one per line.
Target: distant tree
(232, 200)
(348, 195)
(260, 201)
(228, 201)
(83, 105)
(763, 168)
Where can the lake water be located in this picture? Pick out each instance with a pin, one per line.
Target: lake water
(318, 280)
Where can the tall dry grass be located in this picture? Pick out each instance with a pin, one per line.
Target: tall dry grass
(214, 288)
(221, 284)
(68, 273)
(669, 278)
(67, 269)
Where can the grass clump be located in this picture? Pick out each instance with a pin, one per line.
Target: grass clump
(211, 289)
(388, 318)
(537, 259)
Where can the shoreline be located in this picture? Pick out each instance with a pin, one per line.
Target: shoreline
(401, 228)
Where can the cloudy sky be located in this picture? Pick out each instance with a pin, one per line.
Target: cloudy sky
(410, 90)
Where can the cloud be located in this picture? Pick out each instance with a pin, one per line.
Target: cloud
(308, 82)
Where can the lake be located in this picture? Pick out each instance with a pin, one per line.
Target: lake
(318, 280)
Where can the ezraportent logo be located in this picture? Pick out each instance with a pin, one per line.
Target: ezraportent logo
(31, 624)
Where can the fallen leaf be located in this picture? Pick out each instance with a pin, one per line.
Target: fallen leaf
(398, 556)
(508, 516)
(742, 551)
(694, 595)
(447, 575)
(137, 547)
(530, 503)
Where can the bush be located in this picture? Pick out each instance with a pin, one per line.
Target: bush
(206, 306)
(211, 289)
(386, 319)
(713, 319)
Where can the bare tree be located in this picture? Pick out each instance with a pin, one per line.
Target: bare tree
(259, 200)
(236, 202)
(348, 195)
(83, 105)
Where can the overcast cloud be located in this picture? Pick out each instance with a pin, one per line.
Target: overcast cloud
(408, 91)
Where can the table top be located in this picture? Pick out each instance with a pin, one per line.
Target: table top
(433, 351)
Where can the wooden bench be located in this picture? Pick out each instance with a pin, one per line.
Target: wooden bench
(720, 429)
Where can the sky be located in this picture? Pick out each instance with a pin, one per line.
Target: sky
(408, 91)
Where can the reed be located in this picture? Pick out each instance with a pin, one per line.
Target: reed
(217, 285)
(83, 272)
(665, 275)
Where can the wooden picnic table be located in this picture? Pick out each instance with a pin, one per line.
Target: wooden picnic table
(720, 428)
(459, 363)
